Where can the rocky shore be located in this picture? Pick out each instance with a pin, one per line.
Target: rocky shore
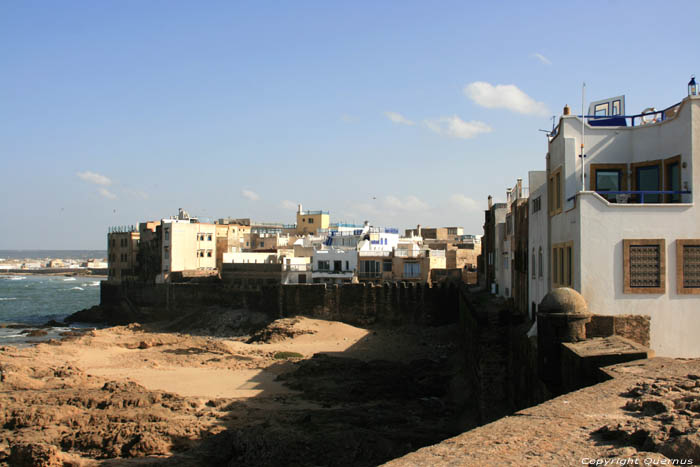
(230, 388)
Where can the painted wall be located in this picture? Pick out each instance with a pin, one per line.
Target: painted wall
(675, 323)
(598, 229)
(538, 240)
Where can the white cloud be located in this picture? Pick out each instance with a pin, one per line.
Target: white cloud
(504, 96)
(249, 194)
(398, 118)
(409, 203)
(95, 178)
(542, 58)
(465, 202)
(457, 128)
(107, 194)
(286, 204)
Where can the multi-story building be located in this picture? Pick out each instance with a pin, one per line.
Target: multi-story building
(187, 247)
(436, 233)
(309, 222)
(334, 265)
(491, 244)
(538, 240)
(623, 222)
(122, 253)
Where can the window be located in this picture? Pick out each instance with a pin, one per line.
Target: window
(209, 237)
(672, 179)
(608, 177)
(537, 204)
(411, 270)
(647, 177)
(616, 108)
(386, 266)
(324, 266)
(644, 263)
(505, 261)
(555, 195)
(208, 253)
(337, 266)
(166, 234)
(562, 265)
(688, 266)
(311, 220)
(534, 265)
(347, 265)
(602, 110)
(166, 252)
(540, 263)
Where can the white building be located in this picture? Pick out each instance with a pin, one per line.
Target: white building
(187, 246)
(538, 236)
(334, 265)
(629, 239)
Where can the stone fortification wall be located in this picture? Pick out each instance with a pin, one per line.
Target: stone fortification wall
(633, 327)
(357, 304)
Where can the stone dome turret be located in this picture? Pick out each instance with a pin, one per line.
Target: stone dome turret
(564, 300)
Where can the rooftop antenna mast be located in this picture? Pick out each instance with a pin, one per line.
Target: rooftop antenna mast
(583, 137)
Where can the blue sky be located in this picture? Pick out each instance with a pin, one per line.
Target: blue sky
(397, 112)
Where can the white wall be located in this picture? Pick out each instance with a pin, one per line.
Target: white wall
(598, 228)
(675, 319)
(537, 239)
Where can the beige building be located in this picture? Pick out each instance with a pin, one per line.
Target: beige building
(230, 237)
(435, 233)
(187, 247)
(309, 222)
(122, 253)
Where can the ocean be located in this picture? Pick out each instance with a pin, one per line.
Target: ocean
(36, 299)
(53, 254)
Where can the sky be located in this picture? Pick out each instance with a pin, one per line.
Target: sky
(396, 112)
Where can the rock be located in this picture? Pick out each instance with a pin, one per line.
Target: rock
(34, 455)
(148, 444)
(682, 447)
(95, 314)
(35, 333)
(54, 324)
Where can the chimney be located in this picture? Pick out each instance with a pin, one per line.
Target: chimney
(299, 208)
(419, 231)
(490, 202)
(520, 188)
(567, 110)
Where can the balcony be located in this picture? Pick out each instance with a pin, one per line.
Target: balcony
(374, 253)
(639, 196)
(369, 275)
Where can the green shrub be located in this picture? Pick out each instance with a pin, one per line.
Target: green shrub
(287, 355)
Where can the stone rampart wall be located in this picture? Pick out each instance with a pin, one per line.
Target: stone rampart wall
(357, 304)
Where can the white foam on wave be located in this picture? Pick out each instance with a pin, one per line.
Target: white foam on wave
(17, 278)
(77, 288)
(3, 299)
(95, 284)
(69, 279)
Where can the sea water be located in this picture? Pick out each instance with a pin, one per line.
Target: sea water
(36, 299)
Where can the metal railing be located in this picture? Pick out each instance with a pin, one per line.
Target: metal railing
(369, 275)
(370, 253)
(640, 193)
(122, 229)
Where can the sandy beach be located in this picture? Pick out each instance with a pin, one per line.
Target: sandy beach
(125, 393)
